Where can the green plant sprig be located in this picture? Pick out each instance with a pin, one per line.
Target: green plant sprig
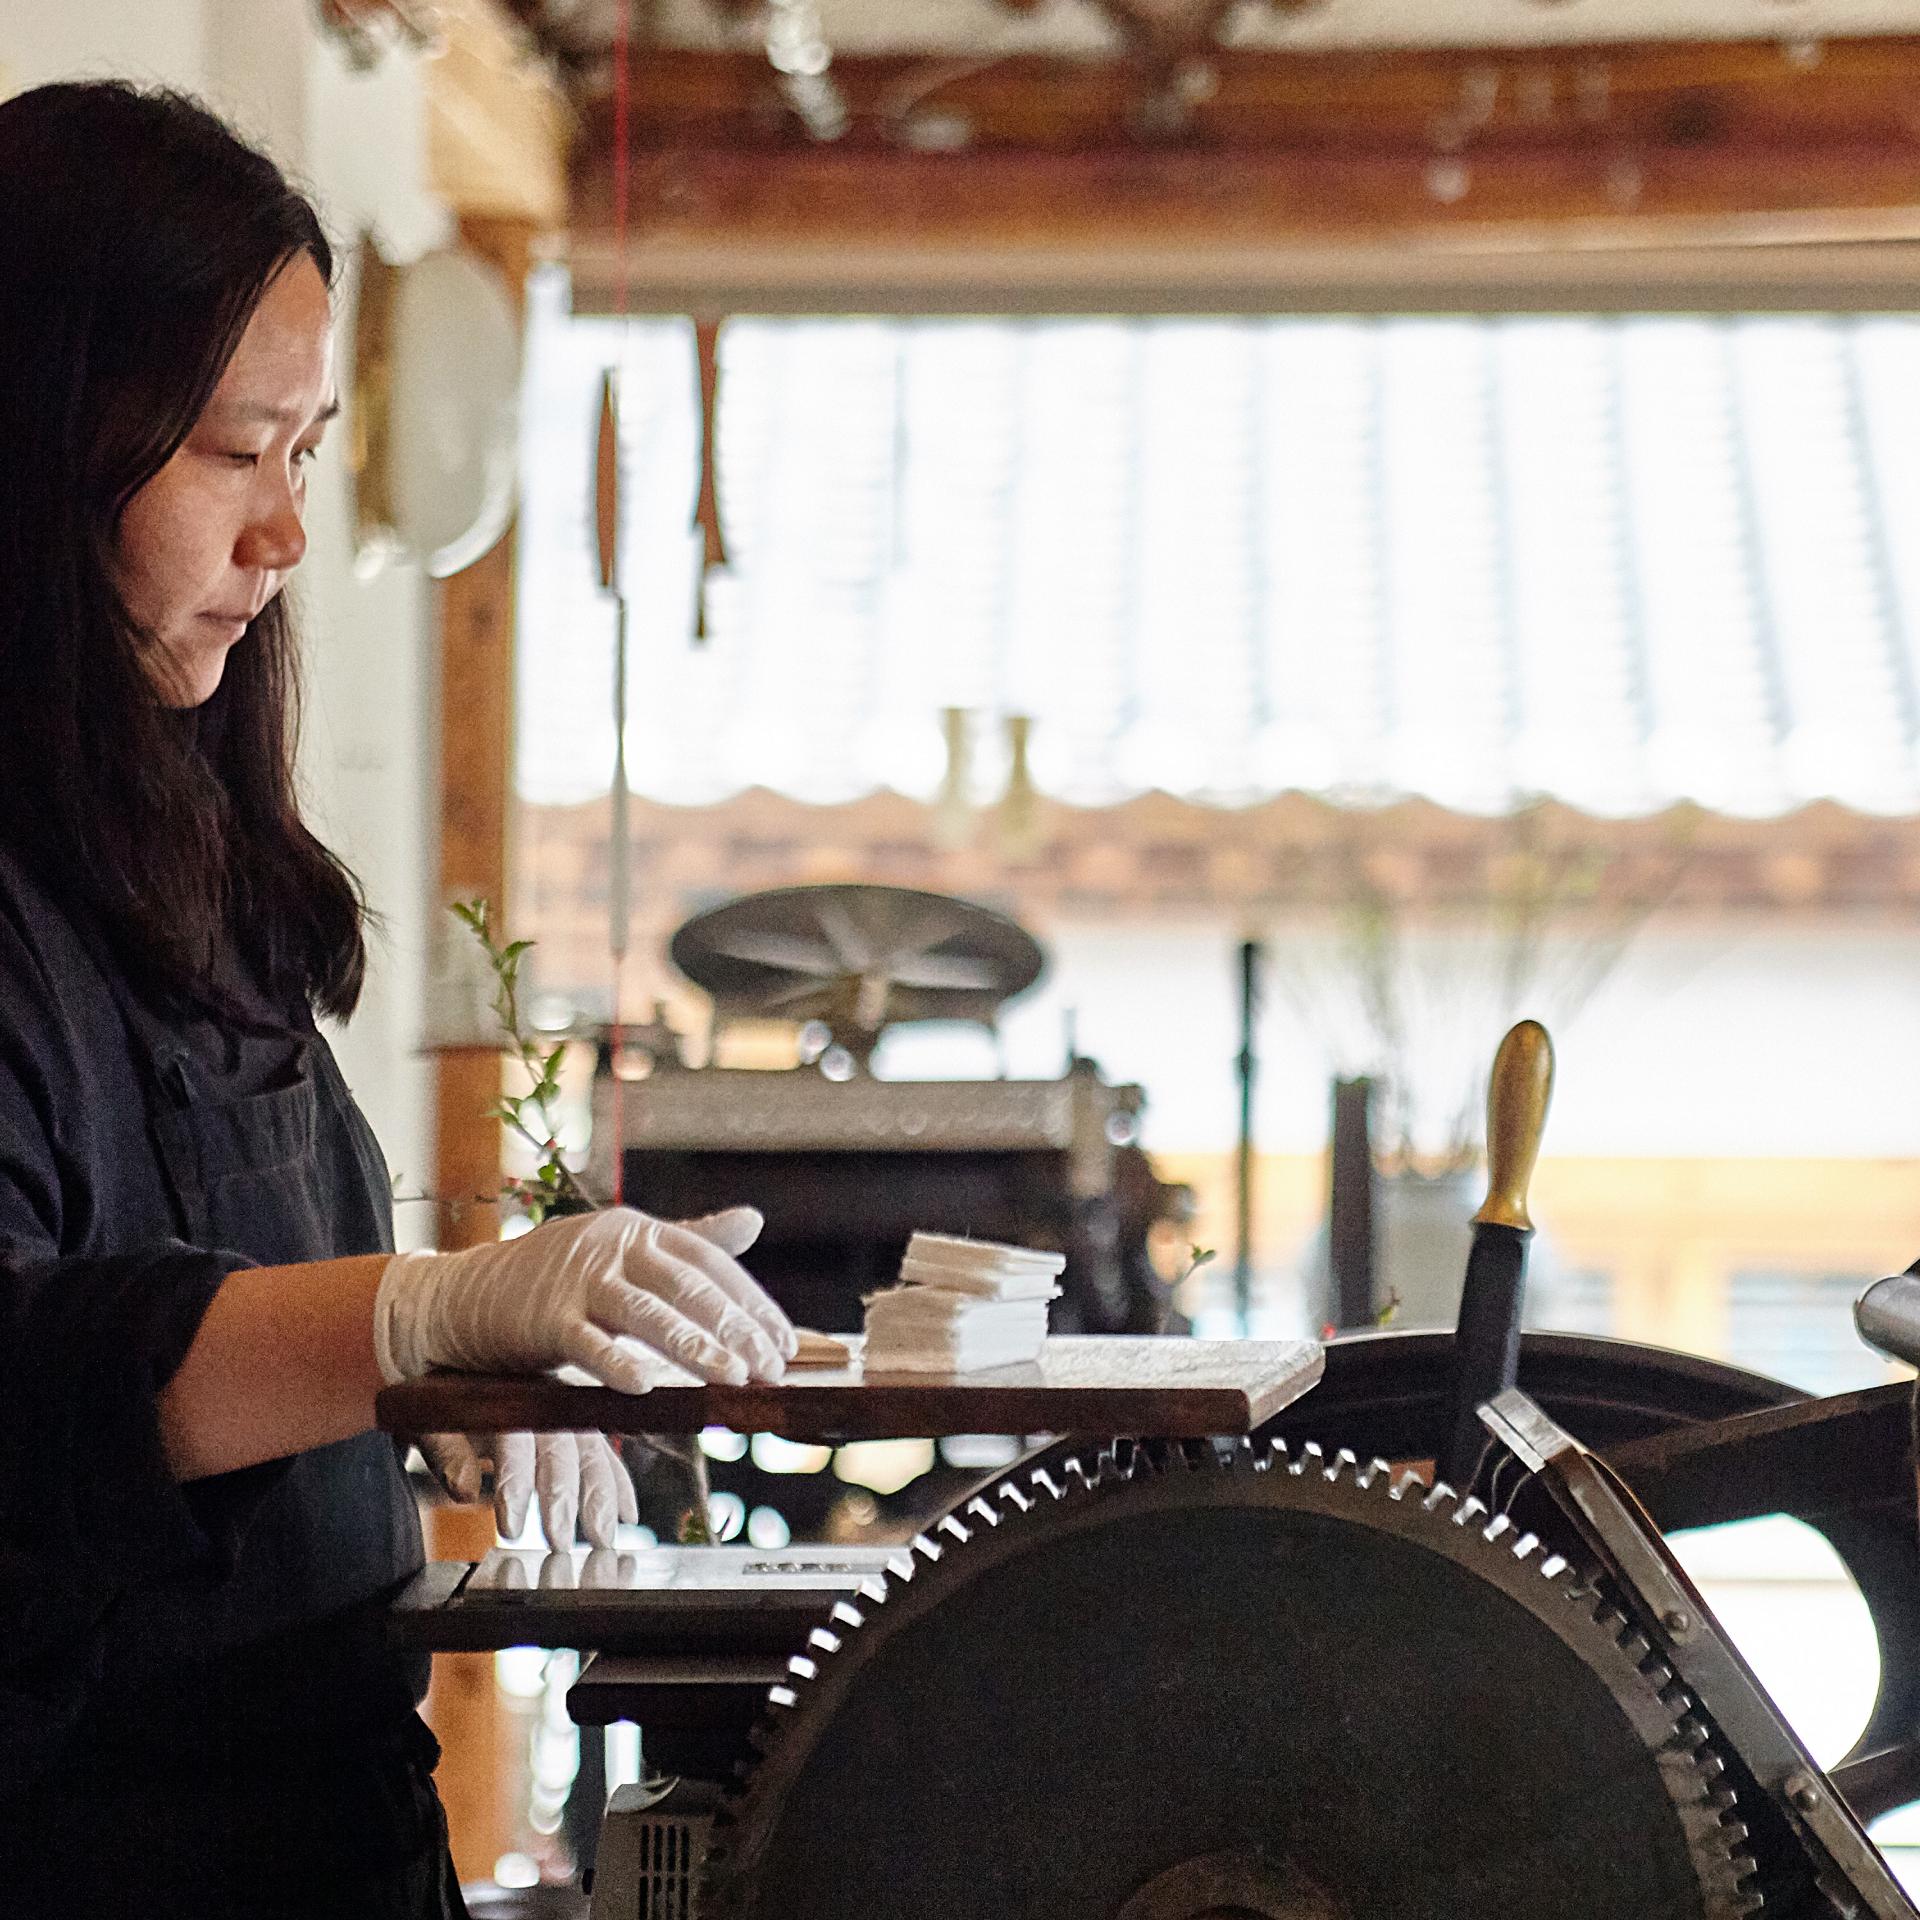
(1197, 1257)
(552, 1187)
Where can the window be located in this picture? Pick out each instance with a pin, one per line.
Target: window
(1619, 559)
(1798, 1327)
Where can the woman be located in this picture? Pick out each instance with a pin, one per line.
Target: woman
(198, 1297)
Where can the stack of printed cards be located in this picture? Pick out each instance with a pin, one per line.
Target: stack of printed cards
(962, 1305)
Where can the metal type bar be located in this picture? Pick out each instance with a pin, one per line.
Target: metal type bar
(1623, 1537)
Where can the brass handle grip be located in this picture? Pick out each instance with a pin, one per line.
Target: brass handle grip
(1517, 1096)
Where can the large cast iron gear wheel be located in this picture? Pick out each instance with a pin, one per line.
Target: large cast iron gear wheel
(1232, 1683)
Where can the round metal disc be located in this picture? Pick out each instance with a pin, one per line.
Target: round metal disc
(857, 956)
(1110, 1704)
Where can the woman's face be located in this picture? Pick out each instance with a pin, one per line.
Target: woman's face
(211, 538)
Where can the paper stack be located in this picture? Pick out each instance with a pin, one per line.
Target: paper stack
(962, 1305)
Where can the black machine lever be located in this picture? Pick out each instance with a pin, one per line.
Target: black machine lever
(1487, 1339)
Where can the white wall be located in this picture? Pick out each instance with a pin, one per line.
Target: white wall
(44, 40)
(1708, 1040)
(357, 143)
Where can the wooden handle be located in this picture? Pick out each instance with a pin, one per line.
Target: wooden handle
(606, 484)
(1517, 1097)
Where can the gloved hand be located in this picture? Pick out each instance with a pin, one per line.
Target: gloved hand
(573, 1473)
(561, 1294)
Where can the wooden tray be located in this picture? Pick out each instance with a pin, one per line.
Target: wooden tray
(1149, 1388)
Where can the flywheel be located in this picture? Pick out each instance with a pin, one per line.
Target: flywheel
(1243, 1683)
(858, 957)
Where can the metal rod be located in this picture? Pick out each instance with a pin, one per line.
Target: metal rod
(1250, 956)
(1351, 1298)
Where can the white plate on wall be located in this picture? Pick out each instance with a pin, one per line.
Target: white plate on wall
(438, 483)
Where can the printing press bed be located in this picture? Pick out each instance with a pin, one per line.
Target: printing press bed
(687, 1641)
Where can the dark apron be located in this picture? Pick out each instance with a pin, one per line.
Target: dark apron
(253, 1749)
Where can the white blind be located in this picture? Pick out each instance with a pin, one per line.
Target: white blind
(1622, 561)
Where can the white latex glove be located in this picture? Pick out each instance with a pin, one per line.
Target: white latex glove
(562, 1293)
(574, 1474)
(600, 1568)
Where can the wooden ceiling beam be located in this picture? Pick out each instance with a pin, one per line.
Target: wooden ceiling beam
(1432, 148)
(1683, 94)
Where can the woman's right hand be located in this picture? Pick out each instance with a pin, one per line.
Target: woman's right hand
(566, 1292)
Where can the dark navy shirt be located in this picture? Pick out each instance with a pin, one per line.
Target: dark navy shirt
(118, 1585)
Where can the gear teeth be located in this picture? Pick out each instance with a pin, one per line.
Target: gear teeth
(1690, 1735)
(1702, 1801)
(1610, 1620)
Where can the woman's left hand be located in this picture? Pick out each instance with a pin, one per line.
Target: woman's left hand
(575, 1474)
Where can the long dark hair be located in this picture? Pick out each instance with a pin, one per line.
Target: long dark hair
(137, 235)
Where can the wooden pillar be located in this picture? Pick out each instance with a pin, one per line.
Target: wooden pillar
(497, 132)
(482, 1768)
(475, 624)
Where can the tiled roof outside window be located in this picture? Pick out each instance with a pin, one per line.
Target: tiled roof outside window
(1618, 561)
